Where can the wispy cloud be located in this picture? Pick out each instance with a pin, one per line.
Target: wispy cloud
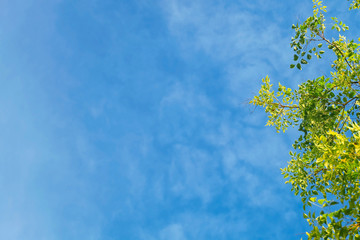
(113, 129)
(237, 36)
(173, 231)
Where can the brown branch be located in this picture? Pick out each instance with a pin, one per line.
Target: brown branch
(344, 104)
(337, 48)
(326, 40)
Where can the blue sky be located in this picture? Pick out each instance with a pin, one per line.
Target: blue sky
(128, 119)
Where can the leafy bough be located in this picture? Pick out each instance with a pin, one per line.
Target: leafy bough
(324, 169)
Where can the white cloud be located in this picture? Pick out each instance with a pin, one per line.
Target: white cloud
(186, 97)
(193, 174)
(223, 31)
(173, 232)
(236, 35)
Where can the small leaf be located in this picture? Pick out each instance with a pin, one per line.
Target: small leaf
(298, 66)
(292, 65)
(308, 56)
(296, 57)
(303, 61)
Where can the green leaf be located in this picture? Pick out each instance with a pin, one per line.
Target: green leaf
(296, 57)
(292, 65)
(298, 66)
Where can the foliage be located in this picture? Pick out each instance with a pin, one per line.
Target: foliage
(325, 164)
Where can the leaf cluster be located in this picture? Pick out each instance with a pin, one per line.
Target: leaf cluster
(324, 170)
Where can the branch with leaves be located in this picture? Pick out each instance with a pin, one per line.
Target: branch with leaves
(324, 169)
